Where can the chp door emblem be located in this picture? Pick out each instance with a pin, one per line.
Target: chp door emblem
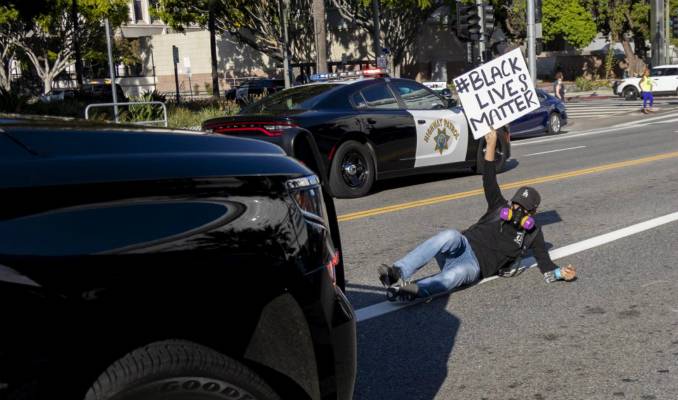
(444, 131)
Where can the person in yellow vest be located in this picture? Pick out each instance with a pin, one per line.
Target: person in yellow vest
(646, 89)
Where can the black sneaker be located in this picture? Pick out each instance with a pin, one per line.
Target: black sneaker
(406, 292)
(388, 275)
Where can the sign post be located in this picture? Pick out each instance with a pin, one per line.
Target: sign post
(496, 93)
(175, 59)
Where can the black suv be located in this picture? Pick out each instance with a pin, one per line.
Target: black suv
(250, 90)
(149, 264)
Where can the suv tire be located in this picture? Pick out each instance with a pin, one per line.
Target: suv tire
(630, 93)
(178, 370)
(352, 171)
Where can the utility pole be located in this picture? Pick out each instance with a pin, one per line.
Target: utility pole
(319, 26)
(531, 42)
(111, 70)
(657, 32)
(481, 41)
(211, 23)
(283, 5)
(376, 34)
(667, 32)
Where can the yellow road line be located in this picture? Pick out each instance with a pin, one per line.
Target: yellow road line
(526, 182)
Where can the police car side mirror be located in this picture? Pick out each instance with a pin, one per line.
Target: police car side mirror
(451, 103)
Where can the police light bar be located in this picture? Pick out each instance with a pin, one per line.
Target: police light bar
(373, 72)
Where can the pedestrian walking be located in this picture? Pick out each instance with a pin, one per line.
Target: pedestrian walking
(558, 87)
(492, 246)
(646, 90)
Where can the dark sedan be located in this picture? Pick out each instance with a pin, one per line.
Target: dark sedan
(549, 118)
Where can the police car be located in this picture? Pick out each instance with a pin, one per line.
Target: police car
(361, 127)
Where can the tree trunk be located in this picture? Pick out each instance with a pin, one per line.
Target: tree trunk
(213, 50)
(47, 82)
(319, 25)
(631, 59)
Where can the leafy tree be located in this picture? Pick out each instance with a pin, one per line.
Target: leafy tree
(400, 21)
(566, 19)
(10, 32)
(623, 21)
(44, 35)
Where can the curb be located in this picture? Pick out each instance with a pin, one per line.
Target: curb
(591, 97)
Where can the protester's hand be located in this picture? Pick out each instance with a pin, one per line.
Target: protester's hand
(568, 273)
(491, 140)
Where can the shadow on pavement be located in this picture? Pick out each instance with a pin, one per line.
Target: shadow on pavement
(404, 354)
(395, 183)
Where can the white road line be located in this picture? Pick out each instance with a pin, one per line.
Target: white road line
(597, 131)
(386, 307)
(553, 151)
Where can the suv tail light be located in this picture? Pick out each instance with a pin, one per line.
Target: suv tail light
(331, 265)
(268, 128)
(308, 195)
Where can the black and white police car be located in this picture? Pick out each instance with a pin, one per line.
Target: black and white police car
(363, 126)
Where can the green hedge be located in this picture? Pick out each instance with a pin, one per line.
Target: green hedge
(185, 115)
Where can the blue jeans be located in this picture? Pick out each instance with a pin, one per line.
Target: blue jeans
(457, 262)
(647, 97)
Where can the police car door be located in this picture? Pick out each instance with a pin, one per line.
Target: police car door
(441, 132)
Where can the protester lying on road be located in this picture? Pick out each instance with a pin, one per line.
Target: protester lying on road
(494, 245)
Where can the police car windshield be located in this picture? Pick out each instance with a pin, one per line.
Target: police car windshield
(298, 98)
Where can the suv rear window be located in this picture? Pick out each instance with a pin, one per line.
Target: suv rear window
(298, 98)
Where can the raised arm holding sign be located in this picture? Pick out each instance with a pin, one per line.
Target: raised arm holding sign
(496, 93)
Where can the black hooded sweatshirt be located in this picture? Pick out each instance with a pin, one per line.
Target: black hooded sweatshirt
(497, 244)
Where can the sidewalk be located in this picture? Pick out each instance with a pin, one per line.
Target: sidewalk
(571, 92)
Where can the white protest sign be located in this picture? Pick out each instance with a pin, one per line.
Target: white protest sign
(496, 93)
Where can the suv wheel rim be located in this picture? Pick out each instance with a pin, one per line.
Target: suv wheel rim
(353, 169)
(555, 123)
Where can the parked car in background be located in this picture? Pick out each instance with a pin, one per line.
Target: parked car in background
(366, 127)
(664, 82)
(251, 89)
(154, 264)
(95, 91)
(549, 118)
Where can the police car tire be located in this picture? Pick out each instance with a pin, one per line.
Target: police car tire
(338, 186)
(500, 160)
(178, 370)
(630, 93)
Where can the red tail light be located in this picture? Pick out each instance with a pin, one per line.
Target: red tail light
(268, 128)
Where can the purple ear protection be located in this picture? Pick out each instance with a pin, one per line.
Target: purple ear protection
(518, 218)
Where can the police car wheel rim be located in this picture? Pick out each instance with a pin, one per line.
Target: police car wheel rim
(555, 123)
(353, 169)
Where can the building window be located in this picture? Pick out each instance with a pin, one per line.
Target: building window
(138, 11)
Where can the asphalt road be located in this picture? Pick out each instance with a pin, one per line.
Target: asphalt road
(611, 334)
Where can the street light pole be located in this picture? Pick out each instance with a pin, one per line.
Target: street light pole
(111, 70)
(531, 42)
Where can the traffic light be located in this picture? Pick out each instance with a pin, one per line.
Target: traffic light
(674, 26)
(468, 22)
(488, 19)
